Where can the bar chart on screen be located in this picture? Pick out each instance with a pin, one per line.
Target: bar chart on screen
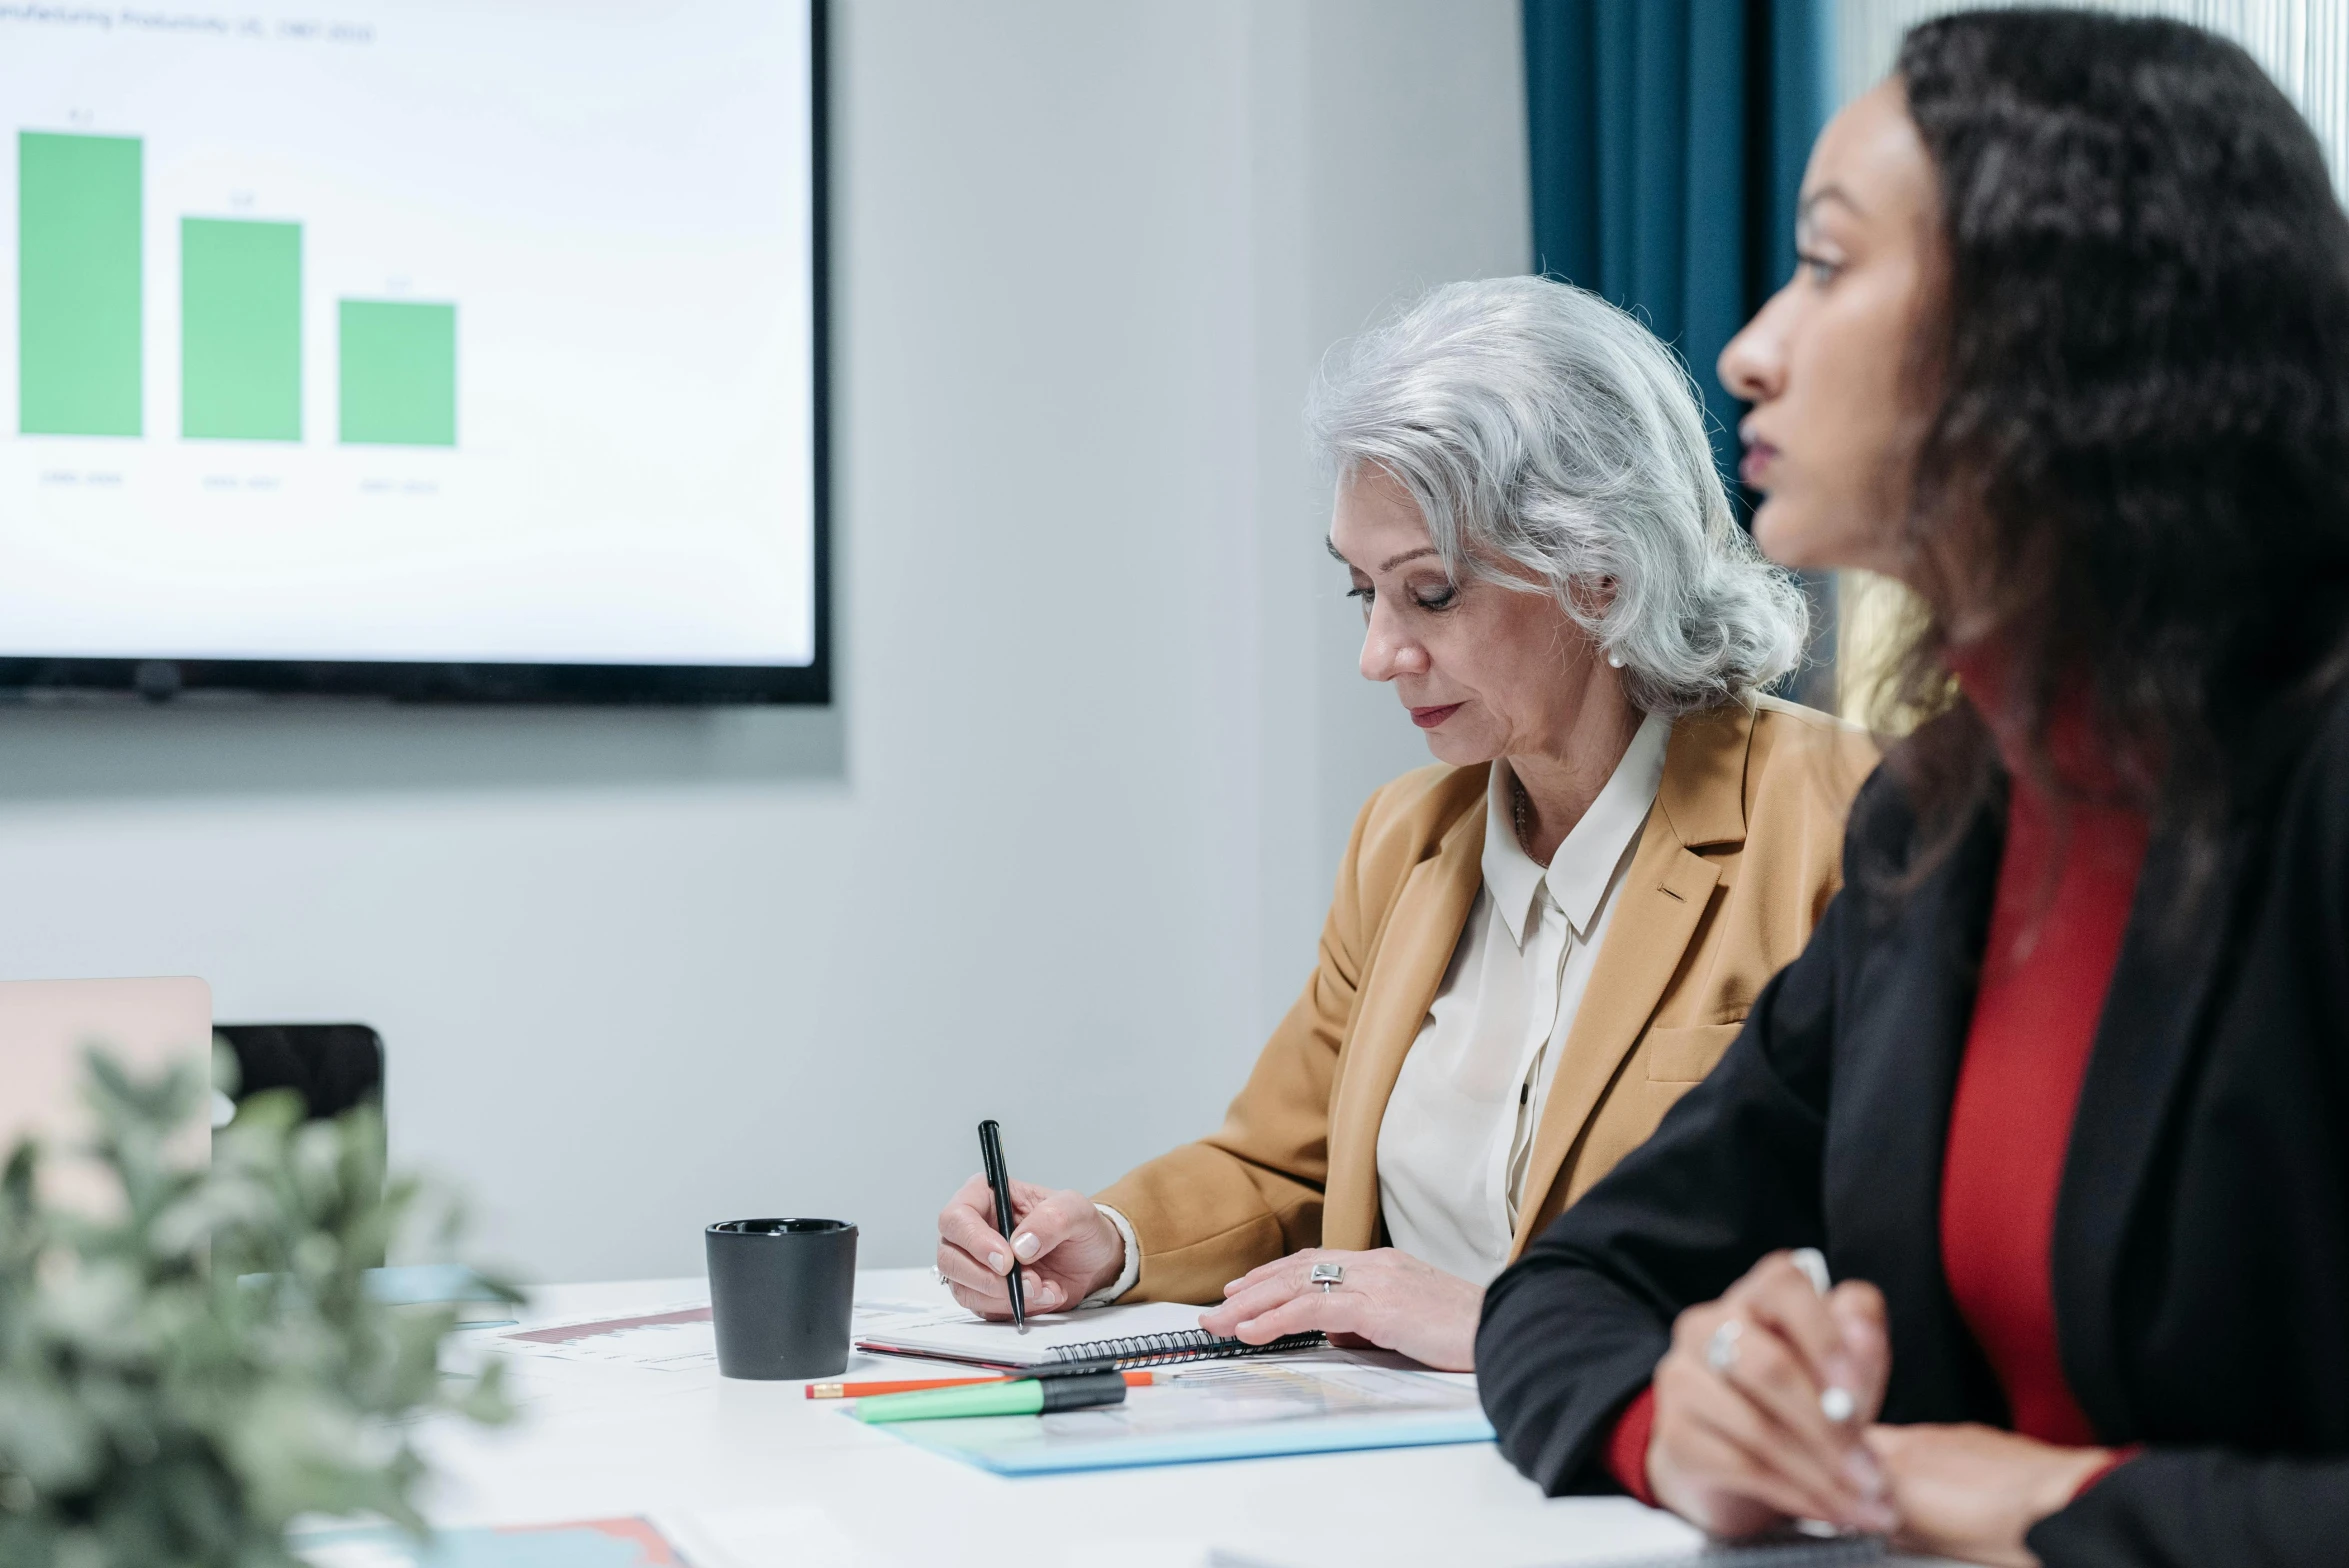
(422, 330)
(81, 345)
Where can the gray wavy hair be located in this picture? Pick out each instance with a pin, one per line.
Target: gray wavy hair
(1552, 443)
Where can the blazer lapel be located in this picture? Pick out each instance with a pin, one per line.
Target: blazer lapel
(1666, 891)
(1662, 904)
(1903, 1035)
(1413, 952)
(2144, 1050)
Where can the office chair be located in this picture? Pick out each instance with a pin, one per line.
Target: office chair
(334, 1067)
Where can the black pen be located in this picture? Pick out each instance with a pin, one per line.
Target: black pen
(999, 1182)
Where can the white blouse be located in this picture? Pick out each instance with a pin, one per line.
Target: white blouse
(1460, 1125)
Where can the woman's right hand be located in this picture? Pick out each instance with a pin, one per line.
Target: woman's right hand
(1763, 1402)
(1068, 1249)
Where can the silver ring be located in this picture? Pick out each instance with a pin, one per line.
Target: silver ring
(1327, 1274)
(1721, 1349)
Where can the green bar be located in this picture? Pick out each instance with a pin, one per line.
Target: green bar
(399, 373)
(79, 278)
(240, 325)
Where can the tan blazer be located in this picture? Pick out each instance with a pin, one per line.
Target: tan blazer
(1739, 856)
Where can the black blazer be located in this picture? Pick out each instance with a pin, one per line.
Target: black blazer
(2201, 1250)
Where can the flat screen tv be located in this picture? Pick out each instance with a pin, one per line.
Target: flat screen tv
(431, 350)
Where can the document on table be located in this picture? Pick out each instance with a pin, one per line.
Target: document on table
(595, 1543)
(1843, 1551)
(1321, 1402)
(674, 1338)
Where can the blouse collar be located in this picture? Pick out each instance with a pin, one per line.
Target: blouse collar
(1577, 876)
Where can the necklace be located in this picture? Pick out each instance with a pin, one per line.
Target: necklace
(1517, 814)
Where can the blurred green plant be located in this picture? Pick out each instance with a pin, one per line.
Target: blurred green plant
(182, 1377)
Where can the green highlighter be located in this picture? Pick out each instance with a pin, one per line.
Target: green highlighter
(1028, 1396)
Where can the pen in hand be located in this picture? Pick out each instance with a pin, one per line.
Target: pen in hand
(999, 1183)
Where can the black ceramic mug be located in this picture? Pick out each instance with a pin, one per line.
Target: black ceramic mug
(780, 1296)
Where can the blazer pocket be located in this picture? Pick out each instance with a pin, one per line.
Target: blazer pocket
(1684, 1054)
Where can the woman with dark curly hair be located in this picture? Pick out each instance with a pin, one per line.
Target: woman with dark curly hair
(2015, 1223)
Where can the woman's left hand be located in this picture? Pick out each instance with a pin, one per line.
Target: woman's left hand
(1974, 1492)
(1387, 1298)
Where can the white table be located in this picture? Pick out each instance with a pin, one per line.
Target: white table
(757, 1474)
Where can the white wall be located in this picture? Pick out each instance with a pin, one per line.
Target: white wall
(1059, 854)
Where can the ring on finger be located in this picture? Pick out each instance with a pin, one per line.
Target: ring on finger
(1721, 1349)
(1326, 1275)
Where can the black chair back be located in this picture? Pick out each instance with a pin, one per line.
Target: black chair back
(334, 1067)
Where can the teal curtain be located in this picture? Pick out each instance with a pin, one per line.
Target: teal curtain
(1668, 142)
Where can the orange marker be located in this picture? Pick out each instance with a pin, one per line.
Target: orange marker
(912, 1384)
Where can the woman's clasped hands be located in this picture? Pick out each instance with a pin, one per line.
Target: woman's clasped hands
(1765, 1412)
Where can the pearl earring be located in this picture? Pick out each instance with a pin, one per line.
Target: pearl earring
(1614, 661)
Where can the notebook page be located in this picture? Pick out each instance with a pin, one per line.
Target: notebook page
(955, 1335)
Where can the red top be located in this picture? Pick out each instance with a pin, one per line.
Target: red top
(2063, 895)
(2059, 908)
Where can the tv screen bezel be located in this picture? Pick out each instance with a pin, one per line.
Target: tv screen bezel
(31, 679)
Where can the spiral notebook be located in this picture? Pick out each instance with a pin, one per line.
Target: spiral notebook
(1153, 1334)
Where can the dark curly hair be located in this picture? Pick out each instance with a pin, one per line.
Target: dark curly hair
(2142, 427)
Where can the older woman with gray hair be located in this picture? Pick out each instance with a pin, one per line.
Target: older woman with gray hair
(1540, 943)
